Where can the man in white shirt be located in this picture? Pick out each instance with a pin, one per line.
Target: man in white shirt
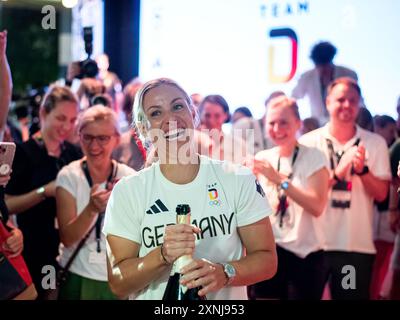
(360, 171)
(313, 83)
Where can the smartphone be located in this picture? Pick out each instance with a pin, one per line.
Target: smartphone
(7, 151)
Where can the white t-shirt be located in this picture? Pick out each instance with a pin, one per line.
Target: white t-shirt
(351, 229)
(300, 232)
(221, 201)
(72, 179)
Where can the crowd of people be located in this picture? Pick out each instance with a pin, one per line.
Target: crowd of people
(282, 208)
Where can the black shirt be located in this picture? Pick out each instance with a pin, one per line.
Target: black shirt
(33, 168)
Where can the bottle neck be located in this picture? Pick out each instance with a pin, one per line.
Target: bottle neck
(182, 261)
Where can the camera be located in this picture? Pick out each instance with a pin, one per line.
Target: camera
(88, 67)
(102, 99)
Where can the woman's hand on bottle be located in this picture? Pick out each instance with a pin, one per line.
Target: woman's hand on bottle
(205, 274)
(98, 199)
(179, 240)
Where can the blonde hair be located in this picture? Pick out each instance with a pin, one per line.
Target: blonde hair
(98, 113)
(282, 102)
(139, 119)
(55, 95)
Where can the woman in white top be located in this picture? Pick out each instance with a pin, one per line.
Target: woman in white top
(83, 189)
(228, 211)
(295, 179)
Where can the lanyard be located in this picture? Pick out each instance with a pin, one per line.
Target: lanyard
(283, 203)
(295, 154)
(338, 155)
(101, 214)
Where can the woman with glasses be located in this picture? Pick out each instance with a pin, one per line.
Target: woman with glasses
(82, 191)
(295, 180)
(30, 194)
(228, 211)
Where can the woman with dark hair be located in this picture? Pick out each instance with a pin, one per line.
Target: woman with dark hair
(214, 112)
(365, 119)
(30, 193)
(386, 127)
(241, 112)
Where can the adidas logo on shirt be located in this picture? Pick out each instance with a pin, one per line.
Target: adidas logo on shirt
(157, 208)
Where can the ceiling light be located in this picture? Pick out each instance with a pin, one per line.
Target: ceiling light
(69, 3)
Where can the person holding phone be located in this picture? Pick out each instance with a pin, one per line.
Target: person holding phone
(30, 194)
(5, 83)
(14, 243)
(82, 191)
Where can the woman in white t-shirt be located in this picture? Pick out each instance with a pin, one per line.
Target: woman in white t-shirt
(83, 189)
(295, 179)
(228, 211)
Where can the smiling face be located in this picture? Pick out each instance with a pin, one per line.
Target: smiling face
(343, 104)
(60, 121)
(282, 124)
(213, 116)
(167, 109)
(98, 139)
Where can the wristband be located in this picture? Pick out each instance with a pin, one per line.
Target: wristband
(41, 192)
(162, 254)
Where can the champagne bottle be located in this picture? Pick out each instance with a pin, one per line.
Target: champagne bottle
(175, 290)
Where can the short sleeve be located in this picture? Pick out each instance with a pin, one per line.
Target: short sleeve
(309, 139)
(316, 160)
(65, 180)
(378, 158)
(122, 216)
(251, 202)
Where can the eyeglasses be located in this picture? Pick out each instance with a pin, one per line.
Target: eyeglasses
(101, 139)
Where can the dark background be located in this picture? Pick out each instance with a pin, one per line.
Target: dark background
(33, 51)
